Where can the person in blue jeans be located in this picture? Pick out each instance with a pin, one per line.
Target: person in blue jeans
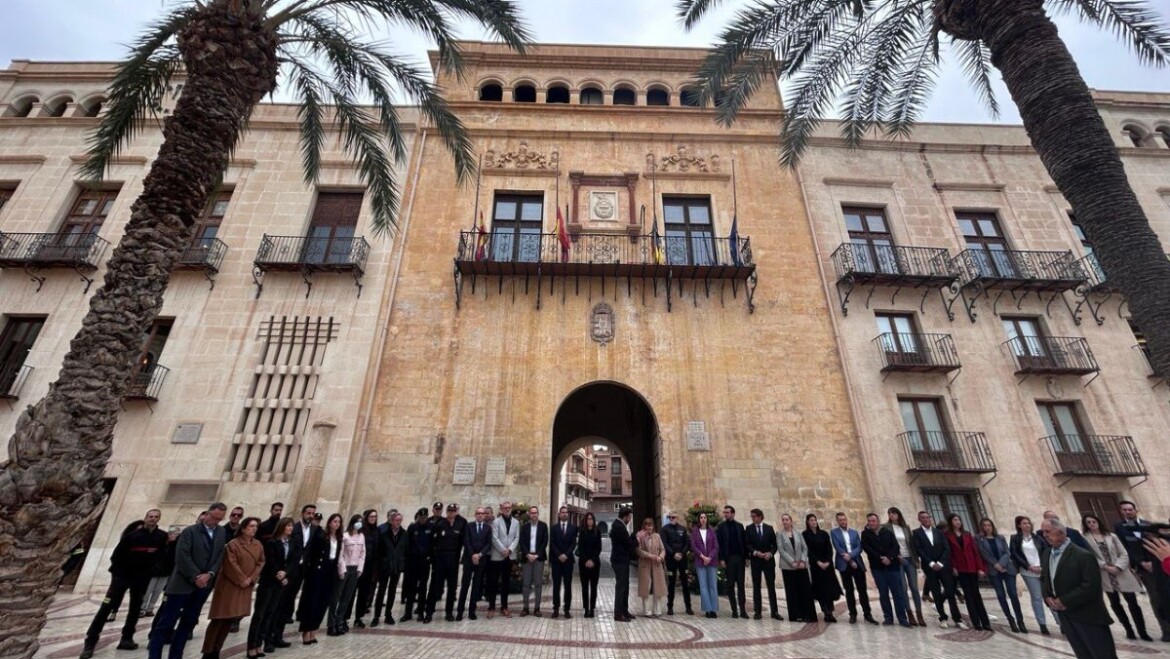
(1001, 572)
(705, 547)
(885, 564)
(198, 554)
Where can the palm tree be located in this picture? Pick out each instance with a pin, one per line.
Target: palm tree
(231, 53)
(879, 59)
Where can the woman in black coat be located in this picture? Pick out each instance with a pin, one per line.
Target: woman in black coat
(825, 587)
(273, 579)
(589, 562)
(320, 578)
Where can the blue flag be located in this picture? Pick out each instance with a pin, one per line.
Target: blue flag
(733, 242)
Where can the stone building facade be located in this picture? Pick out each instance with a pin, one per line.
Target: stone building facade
(718, 360)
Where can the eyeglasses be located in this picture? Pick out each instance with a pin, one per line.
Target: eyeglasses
(237, 514)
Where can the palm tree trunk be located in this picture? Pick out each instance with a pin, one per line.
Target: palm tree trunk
(1068, 133)
(50, 486)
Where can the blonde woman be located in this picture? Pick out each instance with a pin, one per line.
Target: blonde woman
(651, 570)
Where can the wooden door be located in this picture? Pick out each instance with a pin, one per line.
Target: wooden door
(1102, 504)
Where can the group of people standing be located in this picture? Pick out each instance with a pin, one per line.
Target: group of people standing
(312, 572)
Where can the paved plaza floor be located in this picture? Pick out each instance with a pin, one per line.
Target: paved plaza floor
(669, 636)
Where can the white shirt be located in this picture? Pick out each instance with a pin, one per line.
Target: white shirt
(929, 536)
(1028, 545)
(334, 545)
(703, 535)
(532, 539)
(845, 537)
(903, 546)
(306, 529)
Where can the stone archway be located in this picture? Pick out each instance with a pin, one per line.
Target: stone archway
(620, 416)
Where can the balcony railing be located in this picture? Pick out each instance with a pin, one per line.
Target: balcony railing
(596, 254)
(37, 251)
(1019, 270)
(580, 480)
(1094, 274)
(307, 255)
(203, 254)
(947, 452)
(146, 382)
(1095, 455)
(918, 353)
(12, 378)
(1052, 355)
(891, 265)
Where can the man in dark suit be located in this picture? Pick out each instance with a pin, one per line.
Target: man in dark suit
(1070, 579)
(447, 545)
(732, 552)
(302, 537)
(533, 555)
(391, 563)
(268, 526)
(198, 554)
(676, 539)
(885, 562)
(477, 551)
(620, 554)
(562, 544)
(760, 539)
(1144, 565)
(934, 552)
(847, 548)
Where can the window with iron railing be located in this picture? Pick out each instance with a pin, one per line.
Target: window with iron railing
(987, 245)
(690, 238)
(870, 233)
(966, 503)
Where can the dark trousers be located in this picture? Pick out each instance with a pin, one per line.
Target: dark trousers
(589, 577)
(367, 586)
(217, 633)
(621, 589)
(387, 589)
(853, 578)
(418, 572)
(1139, 619)
(183, 609)
(562, 578)
(286, 607)
(941, 586)
(677, 571)
(969, 582)
(767, 570)
(444, 574)
(264, 616)
(113, 599)
(798, 592)
(501, 580)
(1089, 641)
(472, 580)
(343, 594)
(735, 572)
(891, 583)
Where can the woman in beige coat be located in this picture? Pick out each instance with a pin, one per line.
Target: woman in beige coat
(231, 600)
(651, 571)
(1116, 578)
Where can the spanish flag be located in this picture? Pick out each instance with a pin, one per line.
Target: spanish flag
(563, 237)
(656, 245)
(481, 241)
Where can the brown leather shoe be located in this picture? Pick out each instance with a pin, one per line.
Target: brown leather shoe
(506, 613)
(491, 614)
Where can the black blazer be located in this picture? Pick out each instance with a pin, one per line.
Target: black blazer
(731, 535)
(879, 543)
(391, 550)
(526, 541)
(938, 552)
(562, 543)
(622, 545)
(298, 548)
(477, 543)
(275, 561)
(1016, 549)
(755, 542)
(589, 545)
(1077, 585)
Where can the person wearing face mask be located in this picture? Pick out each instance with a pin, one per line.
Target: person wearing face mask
(368, 583)
(350, 564)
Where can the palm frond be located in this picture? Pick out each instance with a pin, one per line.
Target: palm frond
(915, 82)
(752, 28)
(136, 90)
(975, 58)
(310, 113)
(1132, 21)
(691, 12)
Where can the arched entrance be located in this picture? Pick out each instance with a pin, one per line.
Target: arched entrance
(620, 417)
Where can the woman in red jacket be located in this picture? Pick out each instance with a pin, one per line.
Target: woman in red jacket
(968, 568)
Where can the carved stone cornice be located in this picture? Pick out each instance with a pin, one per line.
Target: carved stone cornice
(521, 158)
(682, 163)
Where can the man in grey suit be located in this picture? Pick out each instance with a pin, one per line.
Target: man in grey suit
(1070, 579)
(198, 554)
(505, 540)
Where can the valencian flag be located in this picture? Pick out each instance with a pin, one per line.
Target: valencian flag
(481, 241)
(563, 237)
(733, 241)
(656, 245)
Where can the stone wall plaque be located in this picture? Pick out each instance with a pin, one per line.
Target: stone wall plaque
(464, 471)
(601, 323)
(697, 437)
(187, 433)
(603, 207)
(494, 471)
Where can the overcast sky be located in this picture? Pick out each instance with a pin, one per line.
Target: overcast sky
(97, 30)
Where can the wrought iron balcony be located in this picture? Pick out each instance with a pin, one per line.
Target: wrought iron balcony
(947, 452)
(38, 251)
(891, 265)
(1019, 270)
(1095, 278)
(917, 353)
(12, 378)
(204, 254)
(1052, 355)
(146, 382)
(308, 255)
(1095, 455)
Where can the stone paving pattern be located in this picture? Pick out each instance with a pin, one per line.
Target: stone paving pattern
(669, 636)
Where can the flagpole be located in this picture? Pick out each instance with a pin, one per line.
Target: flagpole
(734, 192)
(478, 179)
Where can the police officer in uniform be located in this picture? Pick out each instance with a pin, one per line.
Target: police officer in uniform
(447, 545)
(676, 540)
(418, 566)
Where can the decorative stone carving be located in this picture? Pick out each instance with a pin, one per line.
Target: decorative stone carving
(1055, 389)
(603, 206)
(683, 162)
(521, 158)
(601, 325)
